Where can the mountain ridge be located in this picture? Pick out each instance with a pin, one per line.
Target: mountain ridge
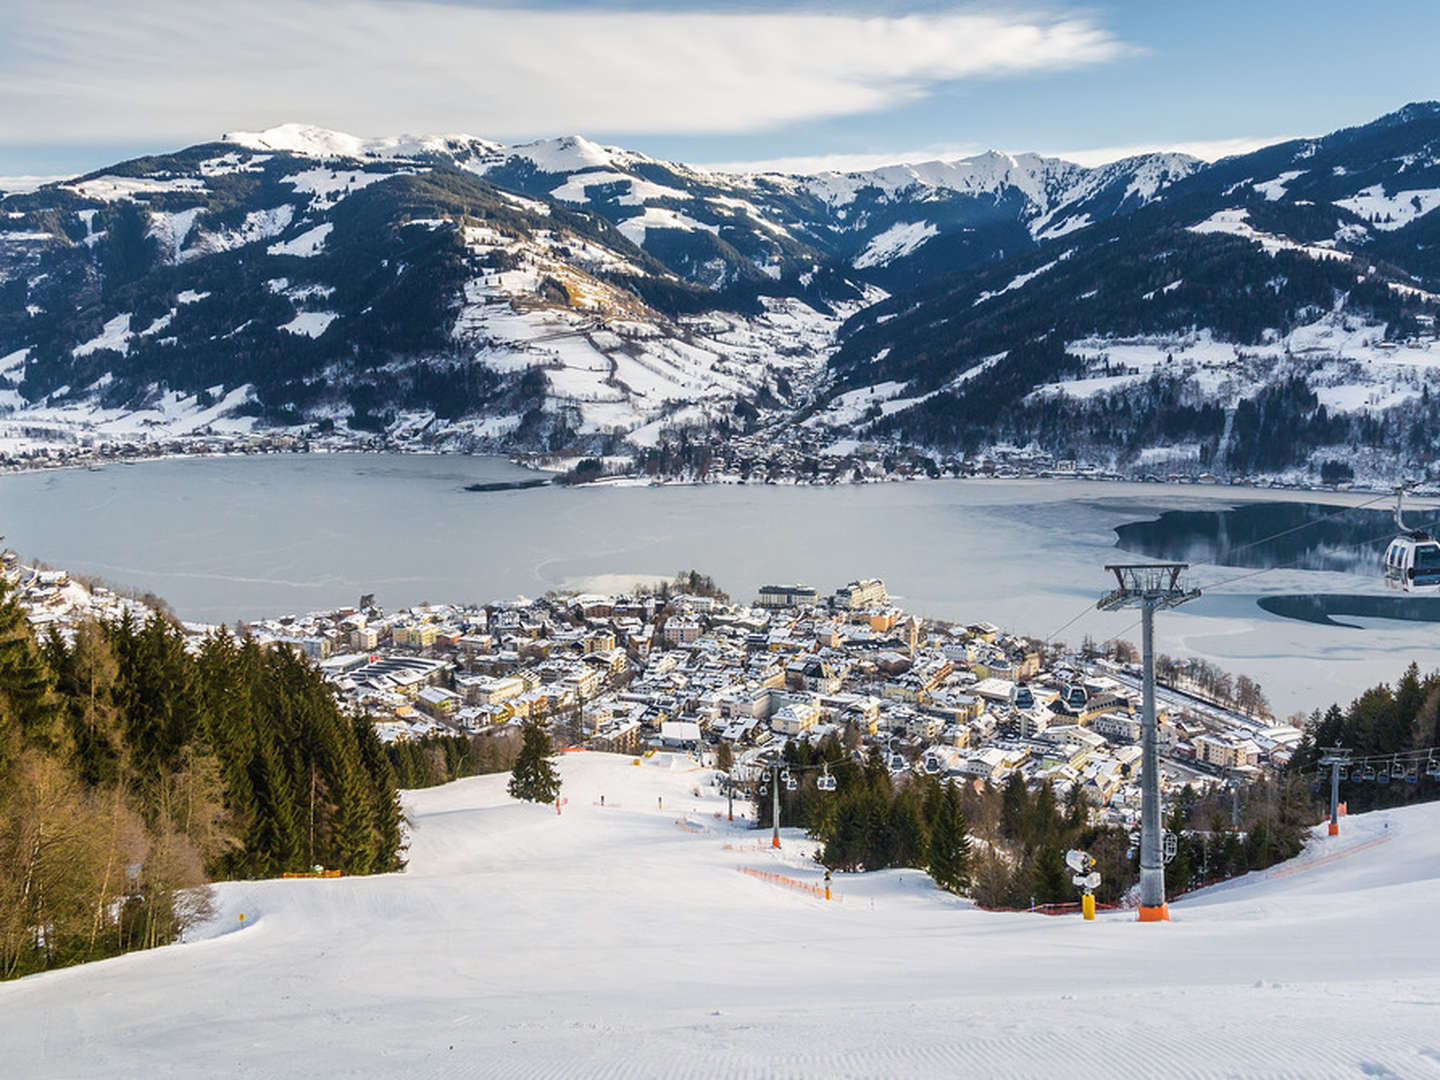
(565, 293)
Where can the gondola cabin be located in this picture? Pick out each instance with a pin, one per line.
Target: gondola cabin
(1412, 563)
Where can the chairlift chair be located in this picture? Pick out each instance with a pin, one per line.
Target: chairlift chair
(1432, 770)
(1412, 776)
(897, 762)
(1382, 775)
(1368, 773)
(790, 784)
(826, 782)
(1397, 770)
(1344, 772)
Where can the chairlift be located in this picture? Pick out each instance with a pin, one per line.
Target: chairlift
(1432, 770)
(1397, 770)
(785, 775)
(897, 762)
(932, 764)
(1368, 773)
(1413, 775)
(1412, 561)
(825, 782)
(764, 789)
(1382, 775)
(790, 784)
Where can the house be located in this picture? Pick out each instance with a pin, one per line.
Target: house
(795, 717)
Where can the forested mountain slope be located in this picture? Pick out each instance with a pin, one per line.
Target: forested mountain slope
(457, 292)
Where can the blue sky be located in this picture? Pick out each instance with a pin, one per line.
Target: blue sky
(805, 84)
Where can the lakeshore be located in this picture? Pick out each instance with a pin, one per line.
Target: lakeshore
(245, 537)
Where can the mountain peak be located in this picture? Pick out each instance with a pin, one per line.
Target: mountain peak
(310, 140)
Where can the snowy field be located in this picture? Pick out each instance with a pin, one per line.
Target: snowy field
(623, 942)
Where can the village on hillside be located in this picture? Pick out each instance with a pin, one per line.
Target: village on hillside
(683, 668)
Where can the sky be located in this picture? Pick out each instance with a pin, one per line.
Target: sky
(801, 85)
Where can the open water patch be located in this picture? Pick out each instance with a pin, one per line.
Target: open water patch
(1262, 536)
(1324, 608)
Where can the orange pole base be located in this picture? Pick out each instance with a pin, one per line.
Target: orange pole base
(1155, 914)
(775, 841)
(1334, 829)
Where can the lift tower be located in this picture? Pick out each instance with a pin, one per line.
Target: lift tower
(1149, 586)
(1337, 757)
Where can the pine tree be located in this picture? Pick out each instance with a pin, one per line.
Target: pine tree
(534, 778)
(949, 842)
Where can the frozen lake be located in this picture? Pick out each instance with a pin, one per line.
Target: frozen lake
(235, 538)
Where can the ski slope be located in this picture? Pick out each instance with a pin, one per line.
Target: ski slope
(614, 942)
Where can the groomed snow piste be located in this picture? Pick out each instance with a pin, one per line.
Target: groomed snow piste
(614, 942)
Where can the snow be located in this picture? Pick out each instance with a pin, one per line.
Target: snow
(231, 163)
(112, 188)
(572, 153)
(326, 187)
(1274, 189)
(115, 335)
(171, 228)
(895, 242)
(1064, 227)
(1236, 223)
(1388, 212)
(658, 217)
(307, 140)
(310, 323)
(1021, 280)
(534, 206)
(258, 225)
(190, 296)
(576, 189)
(310, 242)
(624, 941)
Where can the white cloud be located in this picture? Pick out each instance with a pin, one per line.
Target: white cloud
(81, 70)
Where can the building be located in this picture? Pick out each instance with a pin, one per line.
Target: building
(865, 593)
(681, 631)
(438, 702)
(1225, 751)
(794, 717)
(785, 596)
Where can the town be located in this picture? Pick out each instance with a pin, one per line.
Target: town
(681, 667)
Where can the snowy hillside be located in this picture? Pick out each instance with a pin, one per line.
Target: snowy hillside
(560, 295)
(623, 940)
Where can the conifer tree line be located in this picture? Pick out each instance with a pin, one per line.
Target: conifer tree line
(1383, 720)
(1004, 845)
(133, 771)
(437, 758)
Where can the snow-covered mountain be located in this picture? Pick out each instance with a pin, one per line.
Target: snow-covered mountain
(455, 290)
